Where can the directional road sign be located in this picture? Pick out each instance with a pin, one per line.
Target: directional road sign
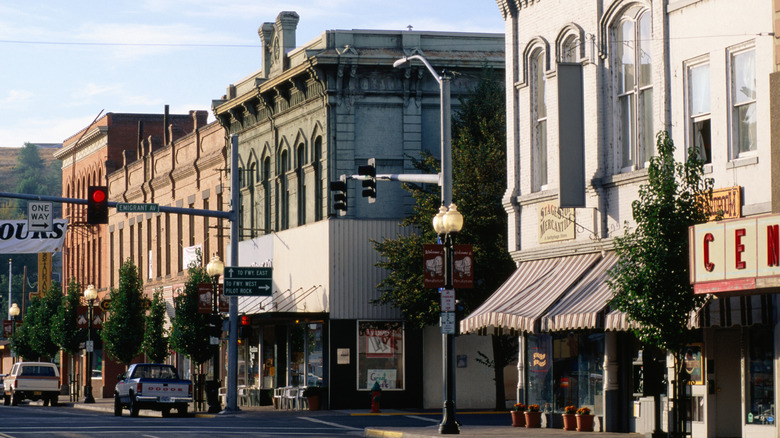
(39, 216)
(248, 281)
(124, 207)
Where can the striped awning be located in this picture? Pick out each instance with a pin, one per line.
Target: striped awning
(528, 293)
(584, 305)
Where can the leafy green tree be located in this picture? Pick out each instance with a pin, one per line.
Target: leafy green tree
(155, 344)
(33, 339)
(650, 281)
(190, 329)
(65, 330)
(123, 330)
(479, 167)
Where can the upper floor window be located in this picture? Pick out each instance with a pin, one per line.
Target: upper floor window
(570, 48)
(538, 82)
(743, 102)
(699, 110)
(633, 66)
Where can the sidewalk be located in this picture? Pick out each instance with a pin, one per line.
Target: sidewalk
(107, 405)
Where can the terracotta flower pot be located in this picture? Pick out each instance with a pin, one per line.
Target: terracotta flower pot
(533, 419)
(585, 423)
(569, 422)
(518, 419)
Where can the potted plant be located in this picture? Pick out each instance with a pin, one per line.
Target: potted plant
(313, 396)
(518, 417)
(584, 420)
(569, 420)
(533, 416)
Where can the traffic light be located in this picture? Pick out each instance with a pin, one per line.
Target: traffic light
(339, 189)
(97, 205)
(369, 185)
(245, 329)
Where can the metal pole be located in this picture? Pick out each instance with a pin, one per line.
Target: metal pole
(10, 265)
(448, 423)
(214, 405)
(232, 383)
(88, 398)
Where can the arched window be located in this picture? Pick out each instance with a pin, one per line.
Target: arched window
(284, 195)
(318, 186)
(538, 82)
(267, 194)
(301, 158)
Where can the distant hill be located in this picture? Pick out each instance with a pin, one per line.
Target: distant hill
(8, 180)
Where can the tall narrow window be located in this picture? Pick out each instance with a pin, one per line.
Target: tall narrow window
(699, 110)
(633, 64)
(283, 192)
(267, 195)
(318, 194)
(301, 185)
(743, 111)
(539, 120)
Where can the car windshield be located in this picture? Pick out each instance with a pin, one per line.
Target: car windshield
(155, 372)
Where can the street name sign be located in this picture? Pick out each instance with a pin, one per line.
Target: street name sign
(124, 207)
(39, 216)
(248, 281)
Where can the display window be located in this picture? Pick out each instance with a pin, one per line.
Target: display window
(381, 355)
(761, 376)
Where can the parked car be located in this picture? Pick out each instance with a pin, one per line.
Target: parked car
(152, 386)
(32, 381)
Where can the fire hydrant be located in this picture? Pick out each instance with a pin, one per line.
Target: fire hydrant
(376, 397)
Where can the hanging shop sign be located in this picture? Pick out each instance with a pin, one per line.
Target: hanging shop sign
(727, 202)
(555, 223)
(16, 238)
(735, 255)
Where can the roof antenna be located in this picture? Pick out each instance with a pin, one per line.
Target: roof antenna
(409, 27)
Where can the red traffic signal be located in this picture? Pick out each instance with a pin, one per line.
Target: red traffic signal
(97, 205)
(245, 320)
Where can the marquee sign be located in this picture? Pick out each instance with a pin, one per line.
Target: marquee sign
(735, 255)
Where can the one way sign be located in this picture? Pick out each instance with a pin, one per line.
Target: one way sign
(39, 216)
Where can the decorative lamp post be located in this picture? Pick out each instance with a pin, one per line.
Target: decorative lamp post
(445, 223)
(13, 311)
(89, 294)
(215, 269)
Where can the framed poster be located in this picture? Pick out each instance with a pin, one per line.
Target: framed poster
(693, 364)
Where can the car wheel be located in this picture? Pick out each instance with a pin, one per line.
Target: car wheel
(6, 400)
(45, 401)
(182, 410)
(15, 399)
(55, 399)
(134, 408)
(117, 406)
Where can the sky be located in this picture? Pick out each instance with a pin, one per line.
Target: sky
(62, 63)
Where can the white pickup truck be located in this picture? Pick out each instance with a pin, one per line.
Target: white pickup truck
(152, 386)
(32, 381)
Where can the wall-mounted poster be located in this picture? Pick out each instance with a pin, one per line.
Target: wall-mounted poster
(693, 364)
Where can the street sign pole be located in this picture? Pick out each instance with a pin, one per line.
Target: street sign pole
(232, 383)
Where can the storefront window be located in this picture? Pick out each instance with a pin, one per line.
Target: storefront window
(539, 370)
(314, 364)
(268, 348)
(380, 355)
(297, 354)
(565, 369)
(761, 382)
(578, 371)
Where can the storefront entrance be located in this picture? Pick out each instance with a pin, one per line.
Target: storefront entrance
(727, 398)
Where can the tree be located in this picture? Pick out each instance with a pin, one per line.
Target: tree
(65, 330)
(650, 281)
(190, 329)
(155, 344)
(33, 339)
(479, 163)
(123, 330)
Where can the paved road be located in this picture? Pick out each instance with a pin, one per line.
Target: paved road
(97, 420)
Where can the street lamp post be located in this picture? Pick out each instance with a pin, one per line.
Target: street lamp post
(214, 269)
(448, 424)
(446, 223)
(89, 294)
(13, 312)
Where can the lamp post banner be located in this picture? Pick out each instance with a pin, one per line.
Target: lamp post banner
(15, 238)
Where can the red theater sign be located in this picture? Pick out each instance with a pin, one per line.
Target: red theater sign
(735, 255)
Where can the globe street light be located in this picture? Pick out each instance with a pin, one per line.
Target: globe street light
(14, 312)
(447, 222)
(89, 294)
(215, 269)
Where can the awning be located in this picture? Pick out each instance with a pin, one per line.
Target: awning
(585, 303)
(522, 300)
